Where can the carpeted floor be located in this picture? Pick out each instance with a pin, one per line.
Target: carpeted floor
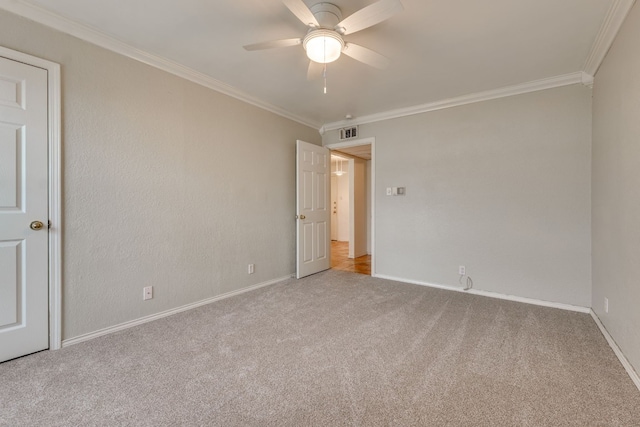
(333, 349)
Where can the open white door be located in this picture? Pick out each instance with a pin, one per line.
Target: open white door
(313, 211)
(24, 286)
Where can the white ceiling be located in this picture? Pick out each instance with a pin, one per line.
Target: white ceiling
(438, 49)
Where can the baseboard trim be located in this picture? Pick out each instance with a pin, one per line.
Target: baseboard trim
(496, 295)
(623, 359)
(150, 318)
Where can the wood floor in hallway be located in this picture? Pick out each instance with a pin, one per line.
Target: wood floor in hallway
(340, 259)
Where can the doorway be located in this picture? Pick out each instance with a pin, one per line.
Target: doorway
(352, 206)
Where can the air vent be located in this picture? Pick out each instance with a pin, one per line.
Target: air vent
(349, 133)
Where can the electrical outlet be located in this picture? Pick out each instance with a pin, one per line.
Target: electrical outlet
(251, 269)
(147, 293)
(606, 305)
(462, 271)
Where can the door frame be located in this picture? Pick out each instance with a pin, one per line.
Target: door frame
(355, 143)
(55, 188)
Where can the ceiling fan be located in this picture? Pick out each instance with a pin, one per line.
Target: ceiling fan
(325, 42)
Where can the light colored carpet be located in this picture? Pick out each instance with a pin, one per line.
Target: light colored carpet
(333, 349)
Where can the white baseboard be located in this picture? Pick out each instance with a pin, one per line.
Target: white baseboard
(140, 321)
(627, 366)
(525, 300)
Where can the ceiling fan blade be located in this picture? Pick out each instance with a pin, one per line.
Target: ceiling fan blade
(272, 44)
(304, 14)
(369, 16)
(366, 56)
(315, 70)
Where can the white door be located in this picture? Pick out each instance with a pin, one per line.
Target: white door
(24, 288)
(314, 214)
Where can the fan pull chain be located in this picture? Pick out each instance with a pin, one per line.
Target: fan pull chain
(324, 75)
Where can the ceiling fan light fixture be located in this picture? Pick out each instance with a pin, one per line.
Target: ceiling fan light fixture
(323, 46)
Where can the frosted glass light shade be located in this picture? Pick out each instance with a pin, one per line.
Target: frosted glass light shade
(323, 46)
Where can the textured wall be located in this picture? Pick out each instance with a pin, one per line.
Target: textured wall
(502, 187)
(166, 183)
(616, 179)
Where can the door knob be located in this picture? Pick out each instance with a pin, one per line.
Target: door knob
(37, 225)
(302, 217)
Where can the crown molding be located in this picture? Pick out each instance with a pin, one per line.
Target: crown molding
(88, 34)
(608, 31)
(548, 83)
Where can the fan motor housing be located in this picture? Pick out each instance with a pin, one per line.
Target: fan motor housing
(328, 15)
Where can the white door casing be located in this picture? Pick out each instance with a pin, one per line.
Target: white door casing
(358, 208)
(24, 270)
(313, 165)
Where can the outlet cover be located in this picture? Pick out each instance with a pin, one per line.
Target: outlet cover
(147, 293)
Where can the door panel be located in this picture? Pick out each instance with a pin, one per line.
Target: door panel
(11, 291)
(313, 209)
(24, 287)
(308, 242)
(11, 145)
(322, 240)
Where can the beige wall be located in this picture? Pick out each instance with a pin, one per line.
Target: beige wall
(501, 187)
(166, 183)
(616, 194)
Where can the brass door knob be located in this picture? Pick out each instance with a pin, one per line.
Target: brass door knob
(37, 225)
(302, 217)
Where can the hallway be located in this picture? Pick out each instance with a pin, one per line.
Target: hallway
(340, 259)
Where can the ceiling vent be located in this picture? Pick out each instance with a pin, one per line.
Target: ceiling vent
(349, 133)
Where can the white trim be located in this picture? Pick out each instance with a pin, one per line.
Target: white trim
(98, 38)
(627, 366)
(152, 317)
(355, 143)
(525, 300)
(608, 31)
(548, 83)
(55, 189)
